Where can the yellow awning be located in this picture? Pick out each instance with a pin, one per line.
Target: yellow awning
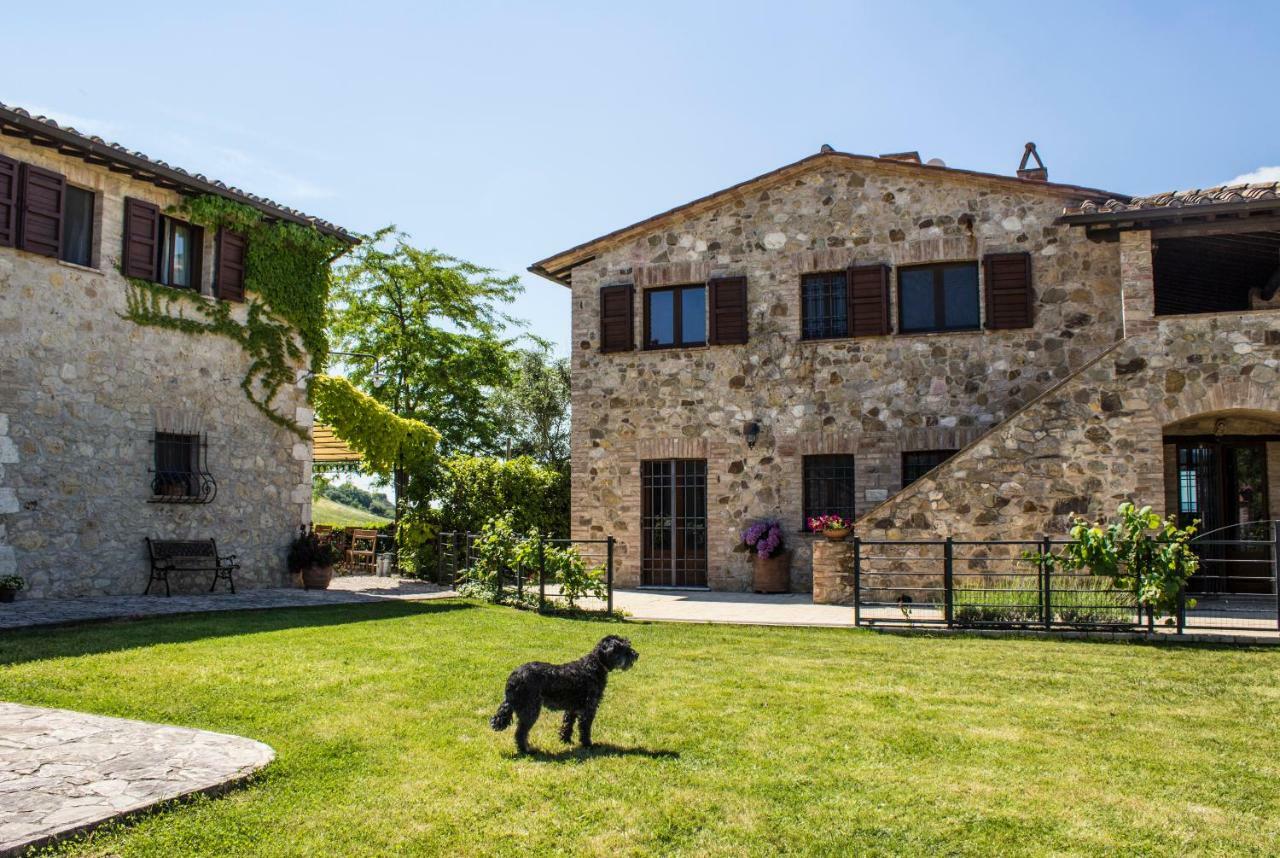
(328, 449)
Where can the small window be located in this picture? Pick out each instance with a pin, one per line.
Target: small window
(180, 474)
(675, 317)
(180, 255)
(77, 227)
(917, 463)
(828, 487)
(938, 298)
(824, 305)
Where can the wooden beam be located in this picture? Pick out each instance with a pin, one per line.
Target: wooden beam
(1222, 226)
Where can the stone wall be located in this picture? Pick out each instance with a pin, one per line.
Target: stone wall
(871, 397)
(1097, 440)
(82, 391)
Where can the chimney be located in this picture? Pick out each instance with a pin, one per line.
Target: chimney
(909, 157)
(1038, 173)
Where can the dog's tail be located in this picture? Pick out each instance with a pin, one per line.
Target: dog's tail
(501, 719)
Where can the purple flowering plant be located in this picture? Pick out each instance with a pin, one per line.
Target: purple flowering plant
(764, 538)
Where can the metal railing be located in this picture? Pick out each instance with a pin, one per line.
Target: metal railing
(1006, 584)
(455, 555)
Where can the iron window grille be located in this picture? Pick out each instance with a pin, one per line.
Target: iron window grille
(673, 523)
(180, 472)
(917, 463)
(940, 297)
(828, 487)
(824, 305)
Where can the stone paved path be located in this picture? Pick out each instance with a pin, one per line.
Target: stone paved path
(344, 591)
(65, 772)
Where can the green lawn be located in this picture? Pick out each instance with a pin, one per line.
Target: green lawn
(722, 740)
(326, 511)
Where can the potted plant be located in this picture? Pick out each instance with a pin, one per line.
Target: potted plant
(9, 586)
(311, 561)
(833, 527)
(770, 559)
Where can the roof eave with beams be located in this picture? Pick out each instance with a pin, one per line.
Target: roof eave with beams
(557, 267)
(42, 131)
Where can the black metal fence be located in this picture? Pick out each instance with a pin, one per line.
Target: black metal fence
(1006, 584)
(534, 581)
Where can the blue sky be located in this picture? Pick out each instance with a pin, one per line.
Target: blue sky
(504, 132)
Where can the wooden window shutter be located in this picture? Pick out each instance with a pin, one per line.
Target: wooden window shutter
(617, 318)
(141, 239)
(869, 300)
(728, 297)
(230, 265)
(44, 194)
(1009, 293)
(8, 202)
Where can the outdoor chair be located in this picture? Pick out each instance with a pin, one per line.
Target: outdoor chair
(363, 553)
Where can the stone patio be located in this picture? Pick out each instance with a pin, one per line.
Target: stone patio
(355, 589)
(63, 773)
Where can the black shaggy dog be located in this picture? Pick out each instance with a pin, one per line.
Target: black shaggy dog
(575, 688)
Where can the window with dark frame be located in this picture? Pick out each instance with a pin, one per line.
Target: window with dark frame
(177, 465)
(917, 463)
(77, 227)
(942, 297)
(180, 254)
(675, 316)
(824, 307)
(828, 487)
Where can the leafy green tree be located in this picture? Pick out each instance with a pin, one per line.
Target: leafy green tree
(533, 411)
(437, 327)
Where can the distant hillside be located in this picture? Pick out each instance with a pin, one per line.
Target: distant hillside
(325, 511)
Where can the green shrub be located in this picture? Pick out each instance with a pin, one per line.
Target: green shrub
(500, 556)
(1076, 600)
(475, 489)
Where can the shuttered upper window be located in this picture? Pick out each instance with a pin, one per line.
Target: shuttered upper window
(675, 316)
(77, 227)
(616, 319)
(1009, 292)
(728, 311)
(938, 298)
(43, 197)
(229, 275)
(849, 303)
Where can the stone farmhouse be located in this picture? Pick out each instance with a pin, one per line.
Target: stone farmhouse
(928, 350)
(112, 431)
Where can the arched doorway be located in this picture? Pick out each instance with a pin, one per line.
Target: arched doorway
(1225, 470)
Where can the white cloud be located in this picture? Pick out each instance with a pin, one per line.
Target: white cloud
(83, 124)
(1262, 174)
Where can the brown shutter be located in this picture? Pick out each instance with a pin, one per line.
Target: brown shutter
(1009, 293)
(230, 265)
(617, 325)
(869, 300)
(8, 202)
(141, 239)
(728, 297)
(44, 194)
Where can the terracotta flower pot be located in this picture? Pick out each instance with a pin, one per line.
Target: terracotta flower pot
(836, 535)
(317, 577)
(772, 574)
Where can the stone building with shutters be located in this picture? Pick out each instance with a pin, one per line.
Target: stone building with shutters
(926, 350)
(112, 431)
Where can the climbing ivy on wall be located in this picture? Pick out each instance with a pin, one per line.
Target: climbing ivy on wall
(379, 435)
(286, 280)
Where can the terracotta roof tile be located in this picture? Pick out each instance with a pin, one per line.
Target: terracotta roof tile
(22, 118)
(1180, 199)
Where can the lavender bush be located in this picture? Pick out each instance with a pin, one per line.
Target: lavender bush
(764, 538)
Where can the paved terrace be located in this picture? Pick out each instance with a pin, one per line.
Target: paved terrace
(62, 772)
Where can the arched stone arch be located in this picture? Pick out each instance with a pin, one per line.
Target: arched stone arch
(1243, 394)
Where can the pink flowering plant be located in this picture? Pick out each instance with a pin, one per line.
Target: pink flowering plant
(823, 523)
(764, 538)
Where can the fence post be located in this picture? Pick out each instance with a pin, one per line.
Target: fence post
(520, 585)
(948, 580)
(1275, 565)
(542, 573)
(440, 558)
(857, 580)
(1182, 607)
(609, 573)
(1046, 585)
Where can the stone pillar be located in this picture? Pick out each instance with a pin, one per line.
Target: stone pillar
(832, 572)
(1137, 283)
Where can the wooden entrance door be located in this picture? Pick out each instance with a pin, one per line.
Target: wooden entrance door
(1222, 483)
(673, 523)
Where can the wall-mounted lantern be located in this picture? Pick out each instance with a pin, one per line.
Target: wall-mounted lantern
(751, 432)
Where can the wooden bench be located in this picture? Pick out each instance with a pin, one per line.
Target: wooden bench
(188, 555)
